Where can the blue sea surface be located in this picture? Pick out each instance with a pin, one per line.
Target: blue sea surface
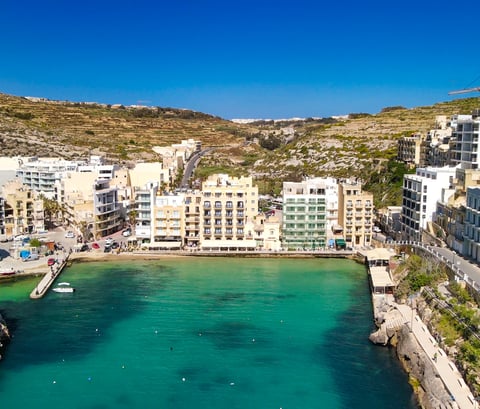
(199, 333)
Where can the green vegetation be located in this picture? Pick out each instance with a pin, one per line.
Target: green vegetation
(420, 272)
(35, 243)
(455, 318)
(385, 182)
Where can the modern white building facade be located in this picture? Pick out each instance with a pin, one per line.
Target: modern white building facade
(421, 192)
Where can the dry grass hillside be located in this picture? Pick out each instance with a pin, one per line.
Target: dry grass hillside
(362, 145)
(71, 130)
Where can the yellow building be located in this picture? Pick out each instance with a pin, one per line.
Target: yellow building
(355, 214)
(23, 210)
(228, 209)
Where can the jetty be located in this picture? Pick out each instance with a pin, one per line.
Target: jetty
(46, 282)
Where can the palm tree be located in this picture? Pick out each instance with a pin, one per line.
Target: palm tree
(132, 217)
(50, 209)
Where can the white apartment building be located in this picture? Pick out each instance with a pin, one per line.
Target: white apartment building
(43, 175)
(464, 144)
(144, 198)
(420, 195)
(331, 197)
(304, 214)
(228, 209)
(106, 209)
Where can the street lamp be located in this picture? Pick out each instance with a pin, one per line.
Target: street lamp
(453, 260)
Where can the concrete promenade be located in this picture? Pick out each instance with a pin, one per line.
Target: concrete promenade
(46, 282)
(446, 369)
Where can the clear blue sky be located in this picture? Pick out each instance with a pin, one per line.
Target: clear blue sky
(242, 59)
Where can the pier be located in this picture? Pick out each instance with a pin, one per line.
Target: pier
(46, 282)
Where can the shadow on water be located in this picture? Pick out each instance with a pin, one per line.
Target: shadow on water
(73, 324)
(342, 343)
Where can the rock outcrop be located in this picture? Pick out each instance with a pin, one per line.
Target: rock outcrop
(4, 335)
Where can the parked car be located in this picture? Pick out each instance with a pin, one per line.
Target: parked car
(107, 249)
(108, 241)
(127, 233)
(51, 262)
(31, 257)
(84, 247)
(115, 245)
(69, 235)
(376, 229)
(95, 246)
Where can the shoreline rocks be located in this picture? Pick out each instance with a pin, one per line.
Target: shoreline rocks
(4, 336)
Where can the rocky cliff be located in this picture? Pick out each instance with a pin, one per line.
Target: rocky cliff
(4, 335)
(428, 386)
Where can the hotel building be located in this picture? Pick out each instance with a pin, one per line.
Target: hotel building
(304, 214)
(228, 208)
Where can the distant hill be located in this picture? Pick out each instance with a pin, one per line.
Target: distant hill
(35, 126)
(361, 145)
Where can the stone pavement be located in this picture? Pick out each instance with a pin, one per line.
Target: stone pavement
(446, 369)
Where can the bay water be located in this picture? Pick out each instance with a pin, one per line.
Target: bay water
(199, 333)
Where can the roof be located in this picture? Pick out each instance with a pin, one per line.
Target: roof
(380, 277)
(378, 254)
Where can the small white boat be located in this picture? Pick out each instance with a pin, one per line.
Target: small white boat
(64, 289)
(63, 284)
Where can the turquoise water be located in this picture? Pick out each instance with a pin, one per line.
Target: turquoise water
(199, 333)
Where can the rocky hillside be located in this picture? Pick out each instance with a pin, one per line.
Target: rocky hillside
(70, 130)
(359, 144)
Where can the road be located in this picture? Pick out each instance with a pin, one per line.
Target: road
(9, 259)
(191, 165)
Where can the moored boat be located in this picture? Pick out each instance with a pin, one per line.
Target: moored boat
(64, 289)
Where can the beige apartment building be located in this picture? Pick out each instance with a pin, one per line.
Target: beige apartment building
(193, 211)
(409, 149)
(355, 214)
(91, 204)
(267, 232)
(23, 210)
(228, 208)
(168, 222)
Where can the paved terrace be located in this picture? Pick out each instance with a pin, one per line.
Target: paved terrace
(446, 369)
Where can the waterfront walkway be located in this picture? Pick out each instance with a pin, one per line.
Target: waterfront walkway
(46, 282)
(446, 369)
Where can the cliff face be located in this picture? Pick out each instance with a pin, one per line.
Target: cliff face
(4, 335)
(428, 386)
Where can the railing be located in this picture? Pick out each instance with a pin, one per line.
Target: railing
(455, 268)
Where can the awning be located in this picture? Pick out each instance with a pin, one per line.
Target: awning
(340, 242)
